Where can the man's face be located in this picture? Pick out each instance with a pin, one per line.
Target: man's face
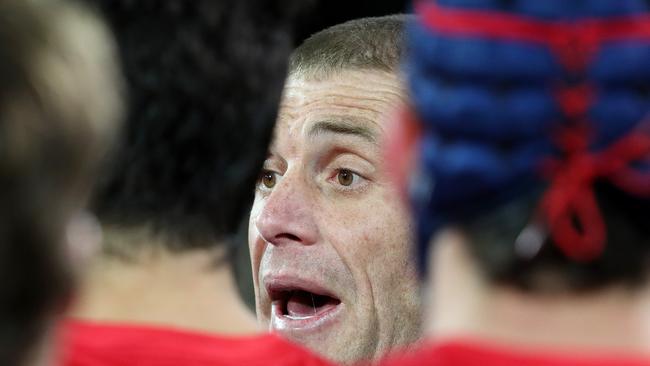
(329, 236)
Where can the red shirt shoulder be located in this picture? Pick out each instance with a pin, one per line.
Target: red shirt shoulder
(462, 353)
(97, 344)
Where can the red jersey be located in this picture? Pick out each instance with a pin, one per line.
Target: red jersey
(460, 353)
(97, 344)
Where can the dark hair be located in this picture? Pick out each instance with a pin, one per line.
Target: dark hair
(204, 79)
(624, 261)
(369, 43)
(58, 108)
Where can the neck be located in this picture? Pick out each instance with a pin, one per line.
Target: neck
(180, 290)
(463, 305)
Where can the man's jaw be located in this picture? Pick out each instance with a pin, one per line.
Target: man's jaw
(301, 307)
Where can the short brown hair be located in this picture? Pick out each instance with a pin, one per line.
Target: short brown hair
(361, 44)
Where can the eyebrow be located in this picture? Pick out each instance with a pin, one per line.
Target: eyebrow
(343, 127)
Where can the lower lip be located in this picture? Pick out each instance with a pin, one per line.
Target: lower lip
(282, 323)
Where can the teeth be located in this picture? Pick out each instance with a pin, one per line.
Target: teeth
(293, 317)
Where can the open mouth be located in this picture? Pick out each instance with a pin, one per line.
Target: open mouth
(300, 305)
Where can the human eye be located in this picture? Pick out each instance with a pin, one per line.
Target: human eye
(272, 172)
(267, 180)
(348, 180)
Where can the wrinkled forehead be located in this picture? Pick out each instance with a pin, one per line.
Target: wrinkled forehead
(354, 102)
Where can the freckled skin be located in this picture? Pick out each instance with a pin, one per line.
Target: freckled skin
(354, 239)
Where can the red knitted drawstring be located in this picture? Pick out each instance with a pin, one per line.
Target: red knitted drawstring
(570, 198)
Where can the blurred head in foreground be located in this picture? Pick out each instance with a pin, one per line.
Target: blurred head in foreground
(59, 106)
(528, 169)
(204, 81)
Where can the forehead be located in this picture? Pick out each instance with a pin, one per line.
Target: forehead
(352, 98)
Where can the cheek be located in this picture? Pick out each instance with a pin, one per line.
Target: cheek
(390, 260)
(255, 244)
(393, 238)
(374, 237)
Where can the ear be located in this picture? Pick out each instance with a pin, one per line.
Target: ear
(401, 148)
(83, 240)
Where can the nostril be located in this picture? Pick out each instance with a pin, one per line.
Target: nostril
(288, 237)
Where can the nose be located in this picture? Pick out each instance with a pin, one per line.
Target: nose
(287, 215)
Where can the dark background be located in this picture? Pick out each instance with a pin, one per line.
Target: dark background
(324, 14)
